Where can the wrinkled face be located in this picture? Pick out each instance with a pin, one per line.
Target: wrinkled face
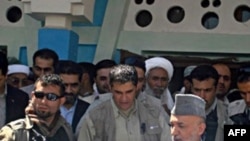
(224, 81)
(186, 128)
(205, 89)
(102, 80)
(244, 89)
(72, 87)
(158, 80)
(123, 95)
(44, 108)
(2, 80)
(18, 80)
(43, 66)
(141, 79)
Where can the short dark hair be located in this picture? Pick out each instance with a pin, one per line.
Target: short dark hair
(106, 63)
(136, 61)
(244, 75)
(69, 67)
(203, 72)
(46, 53)
(88, 68)
(51, 79)
(123, 74)
(3, 63)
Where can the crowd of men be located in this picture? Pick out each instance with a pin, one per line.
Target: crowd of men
(108, 101)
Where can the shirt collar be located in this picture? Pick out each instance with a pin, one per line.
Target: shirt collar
(64, 109)
(212, 107)
(118, 113)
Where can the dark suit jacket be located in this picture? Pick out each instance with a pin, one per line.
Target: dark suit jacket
(81, 108)
(16, 102)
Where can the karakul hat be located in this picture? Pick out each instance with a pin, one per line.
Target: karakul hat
(189, 104)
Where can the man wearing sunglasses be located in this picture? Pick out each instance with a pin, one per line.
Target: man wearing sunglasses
(47, 97)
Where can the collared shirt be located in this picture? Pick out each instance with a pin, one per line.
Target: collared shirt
(130, 126)
(68, 113)
(212, 107)
(3, 107)
(131, 122)
(89, 97)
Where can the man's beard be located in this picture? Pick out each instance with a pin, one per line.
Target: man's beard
(43, 114)
(70, 98)
(103, 90)
(156, 92)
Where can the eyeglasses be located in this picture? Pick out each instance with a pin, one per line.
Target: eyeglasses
(49, 96)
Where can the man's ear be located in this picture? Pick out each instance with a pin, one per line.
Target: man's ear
(85, 77)
(202, 128)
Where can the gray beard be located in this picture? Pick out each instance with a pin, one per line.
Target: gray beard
(156, 93)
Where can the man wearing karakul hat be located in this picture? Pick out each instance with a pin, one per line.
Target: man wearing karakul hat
(159, 72)
(187, 118)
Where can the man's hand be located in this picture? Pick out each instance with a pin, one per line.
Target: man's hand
(30, 112)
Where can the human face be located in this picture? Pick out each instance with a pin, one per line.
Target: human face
(45, 108)
(224, 81)
(141, 79)
(18, 80)
(123, 95)
(205, 89)
(102, 80)
(186, 128)
(244, 88)
(2, 81)
(43, 66)
(72, 87)
(158, 80)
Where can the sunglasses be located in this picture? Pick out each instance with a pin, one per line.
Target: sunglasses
(49, 96)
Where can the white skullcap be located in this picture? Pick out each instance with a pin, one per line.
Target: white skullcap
(189, 104)
(161, 63)
(18, 68)
(188, 70)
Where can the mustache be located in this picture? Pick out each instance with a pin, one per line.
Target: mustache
(68, 94)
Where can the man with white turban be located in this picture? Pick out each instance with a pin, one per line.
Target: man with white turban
(159, 72)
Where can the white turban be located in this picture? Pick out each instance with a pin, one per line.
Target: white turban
(166, 65)
(161, 63)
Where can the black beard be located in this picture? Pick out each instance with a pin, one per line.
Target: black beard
(42, 114)
(70, 98)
